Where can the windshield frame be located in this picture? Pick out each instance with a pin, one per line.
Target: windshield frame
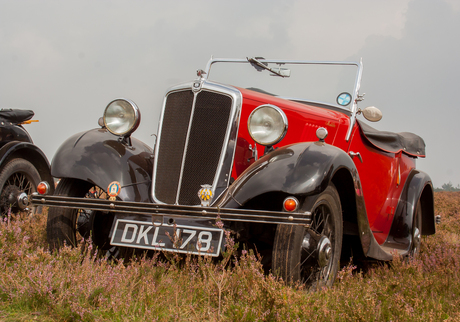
(355, 95)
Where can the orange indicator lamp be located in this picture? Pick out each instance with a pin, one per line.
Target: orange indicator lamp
(43, 188)
(290, 204)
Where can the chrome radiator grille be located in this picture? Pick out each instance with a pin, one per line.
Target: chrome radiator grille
(191, 143)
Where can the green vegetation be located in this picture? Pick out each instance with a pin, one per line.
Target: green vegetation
(448, 187)
(76, 285)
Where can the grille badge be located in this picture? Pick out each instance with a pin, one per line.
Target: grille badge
(205, 195)
(113, 190)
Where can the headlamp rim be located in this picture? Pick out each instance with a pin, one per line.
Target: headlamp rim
(283, 117)
(137, 117)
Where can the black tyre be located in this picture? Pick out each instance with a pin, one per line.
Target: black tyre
(16, 177)
(416, 231)
(311, 256)
(70, 226)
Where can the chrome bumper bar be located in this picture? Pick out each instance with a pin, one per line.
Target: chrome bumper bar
(157, 211)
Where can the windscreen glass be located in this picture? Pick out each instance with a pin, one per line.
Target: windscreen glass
(323, 83)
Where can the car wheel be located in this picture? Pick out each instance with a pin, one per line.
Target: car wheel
(71, 226)
(416, 231)
(17, 176)
(311, 256)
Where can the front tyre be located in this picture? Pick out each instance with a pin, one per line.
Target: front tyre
(70, 226)
(311, 256)
(17, 176)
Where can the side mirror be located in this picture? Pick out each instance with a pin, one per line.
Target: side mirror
(372, 114)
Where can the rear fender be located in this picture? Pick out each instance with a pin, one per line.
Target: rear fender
(30, 152)
(418, 187)
(99, 157)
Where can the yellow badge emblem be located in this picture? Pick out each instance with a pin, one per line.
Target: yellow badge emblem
(205, 195)
(113, 190)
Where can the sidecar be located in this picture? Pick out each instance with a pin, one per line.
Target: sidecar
(22, 164)
(282, 158)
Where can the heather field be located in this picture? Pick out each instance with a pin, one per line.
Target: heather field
(76, 285)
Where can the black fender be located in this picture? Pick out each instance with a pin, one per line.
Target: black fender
(12, 132)
(418, 187)
(30, 152)
(99, 157)
(304, 170)
(301, 170)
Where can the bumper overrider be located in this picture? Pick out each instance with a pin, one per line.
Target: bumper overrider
(176, 228)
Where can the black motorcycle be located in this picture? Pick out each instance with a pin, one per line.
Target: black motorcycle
(22, 164)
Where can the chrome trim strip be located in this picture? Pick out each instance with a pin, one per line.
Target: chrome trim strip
(354, 108)
(184, 155)
(175, 211)
(274, 61)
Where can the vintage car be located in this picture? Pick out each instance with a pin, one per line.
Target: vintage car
(22, 164)
(279, 158)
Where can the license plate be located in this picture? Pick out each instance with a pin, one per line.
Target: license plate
(178, 238)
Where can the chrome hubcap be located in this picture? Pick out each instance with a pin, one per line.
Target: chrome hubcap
(23, 201)
(324, 251)
(320, 247)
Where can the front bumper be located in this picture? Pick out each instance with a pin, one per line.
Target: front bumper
(159, 212)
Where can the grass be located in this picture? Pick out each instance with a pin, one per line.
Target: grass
(36, 285)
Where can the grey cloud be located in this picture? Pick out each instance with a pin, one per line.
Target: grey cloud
(414, 81)
(67, 59)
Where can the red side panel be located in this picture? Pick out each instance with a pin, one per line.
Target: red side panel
(303, 121)
(383, 176)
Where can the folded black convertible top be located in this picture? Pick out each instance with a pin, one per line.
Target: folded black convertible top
(406, 142)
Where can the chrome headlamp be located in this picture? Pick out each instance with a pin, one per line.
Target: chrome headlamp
(121, 117)
(267, 124)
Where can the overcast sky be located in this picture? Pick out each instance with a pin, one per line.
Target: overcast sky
(66, 60)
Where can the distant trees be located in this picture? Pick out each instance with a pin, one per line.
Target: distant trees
(448, 187)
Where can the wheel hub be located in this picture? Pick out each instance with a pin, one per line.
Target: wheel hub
(22, 201)
(319, 245)
(324, 251)
(13, 197)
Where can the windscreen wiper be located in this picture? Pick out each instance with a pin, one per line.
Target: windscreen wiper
(260, 66)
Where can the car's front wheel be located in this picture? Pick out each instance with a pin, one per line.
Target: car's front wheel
(311, 256)
(70, 226)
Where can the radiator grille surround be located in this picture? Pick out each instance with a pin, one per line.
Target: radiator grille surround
(194, 142)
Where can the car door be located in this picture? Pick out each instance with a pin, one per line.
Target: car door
(380, 175)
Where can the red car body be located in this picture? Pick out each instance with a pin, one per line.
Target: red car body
(330, 187)
(383, 174)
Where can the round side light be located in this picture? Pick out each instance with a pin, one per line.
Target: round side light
(290, 204)
(121, 117)
(267, 124)
(43, 188)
